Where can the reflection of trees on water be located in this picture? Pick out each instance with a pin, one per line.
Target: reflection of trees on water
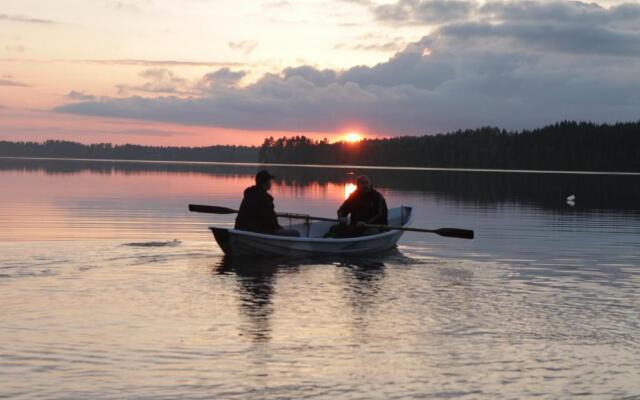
(549, 191)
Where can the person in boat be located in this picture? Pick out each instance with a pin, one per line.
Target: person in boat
(257, 212)
(365, 206)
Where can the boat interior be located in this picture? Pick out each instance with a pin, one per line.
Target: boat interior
(398, 216)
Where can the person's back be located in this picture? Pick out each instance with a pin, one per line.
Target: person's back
(257, 212)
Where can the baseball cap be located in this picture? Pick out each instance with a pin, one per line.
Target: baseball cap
(263, 176)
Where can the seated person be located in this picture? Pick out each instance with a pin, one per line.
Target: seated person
(257, 212)
(365, 206)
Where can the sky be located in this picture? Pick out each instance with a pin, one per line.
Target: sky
(203, 72)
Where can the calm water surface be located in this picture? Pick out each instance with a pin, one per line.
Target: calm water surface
(99, 301)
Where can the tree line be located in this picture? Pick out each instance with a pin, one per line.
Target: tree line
(66, 149)
(563, 146)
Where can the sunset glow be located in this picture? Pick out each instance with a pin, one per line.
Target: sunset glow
(353, 137)
(348, 189)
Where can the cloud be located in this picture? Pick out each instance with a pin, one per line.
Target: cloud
(158, 80)
(429, 12)
(162, 63)
(25, 19)
(9, 82)
(383, 47)
(568, 12)
(518, 69)
(373, 42)
(581, 39)
(246, 46)
(165, 81)
(423, 11)
(79, 96)
(222, 78)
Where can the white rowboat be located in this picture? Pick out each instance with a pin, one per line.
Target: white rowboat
(311, 241)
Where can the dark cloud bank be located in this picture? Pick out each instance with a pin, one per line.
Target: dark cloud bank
(514, 64)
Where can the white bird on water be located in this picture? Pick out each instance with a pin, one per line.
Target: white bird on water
(571, 200)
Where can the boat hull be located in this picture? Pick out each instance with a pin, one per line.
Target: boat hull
(242, 243)
(235, 243)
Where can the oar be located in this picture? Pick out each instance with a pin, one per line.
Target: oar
(224, 210)
(447, 232)
(211, 209)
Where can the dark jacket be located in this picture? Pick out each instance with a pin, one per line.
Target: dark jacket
(369, 207)
(256, 212)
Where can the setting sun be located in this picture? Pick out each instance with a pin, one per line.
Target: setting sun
(352, 137)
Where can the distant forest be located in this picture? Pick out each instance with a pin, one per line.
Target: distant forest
(64, 149)
(563, 146)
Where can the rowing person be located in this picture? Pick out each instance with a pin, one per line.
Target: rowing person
(257, 212)
(365, 206)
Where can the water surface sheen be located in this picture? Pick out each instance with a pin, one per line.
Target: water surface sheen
(110, 289)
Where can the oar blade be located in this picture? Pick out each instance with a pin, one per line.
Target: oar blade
(211, 209)
(455, 232)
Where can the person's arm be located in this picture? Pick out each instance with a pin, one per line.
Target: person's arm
(344, 211)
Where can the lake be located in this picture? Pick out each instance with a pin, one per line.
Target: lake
(111, 289)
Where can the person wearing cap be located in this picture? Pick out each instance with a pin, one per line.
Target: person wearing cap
(365, 206)
(257, 212)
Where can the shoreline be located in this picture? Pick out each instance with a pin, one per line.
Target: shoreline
(365, 167)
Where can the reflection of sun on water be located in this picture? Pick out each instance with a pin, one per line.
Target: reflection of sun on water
(348, 189)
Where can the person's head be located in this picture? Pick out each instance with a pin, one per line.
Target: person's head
(363, 182)
(264, 178)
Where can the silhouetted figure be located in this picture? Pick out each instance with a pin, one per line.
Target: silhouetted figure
(257, 213)
(365, 206)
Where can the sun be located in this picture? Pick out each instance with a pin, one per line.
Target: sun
(352, 137)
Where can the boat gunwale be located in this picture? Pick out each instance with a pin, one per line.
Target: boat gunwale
(316, 239)
(307, 239)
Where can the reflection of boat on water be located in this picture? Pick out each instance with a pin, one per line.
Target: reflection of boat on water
(256, 280)
(311, 241)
